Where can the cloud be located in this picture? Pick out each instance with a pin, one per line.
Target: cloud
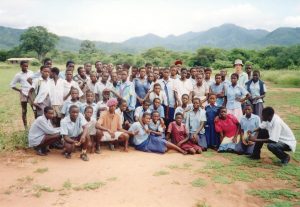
(292, 21)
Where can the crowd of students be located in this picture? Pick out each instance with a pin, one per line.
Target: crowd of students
(151, 108)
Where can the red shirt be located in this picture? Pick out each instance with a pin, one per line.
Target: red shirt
(227, 126)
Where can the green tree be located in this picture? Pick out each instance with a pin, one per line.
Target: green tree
(87, 47)
(38, 39)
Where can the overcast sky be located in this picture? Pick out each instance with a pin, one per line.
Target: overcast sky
(118, 20)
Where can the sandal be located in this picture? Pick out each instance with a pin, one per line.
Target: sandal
(84, 157)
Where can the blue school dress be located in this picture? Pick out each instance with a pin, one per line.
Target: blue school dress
(212, 137)
(153, 144)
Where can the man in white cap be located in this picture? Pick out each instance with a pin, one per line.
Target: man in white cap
(243, 77)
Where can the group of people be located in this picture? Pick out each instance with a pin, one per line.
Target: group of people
(151, 108)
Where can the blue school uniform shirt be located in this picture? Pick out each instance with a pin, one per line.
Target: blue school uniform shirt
(141, 87)
(160, 110)
(70, 128)
(141, 136)
(93, 105)
(250, 124)
(232, 93)
(67, 104)
(127, 92)
(216, 89)
(193, 120)
(179, 109)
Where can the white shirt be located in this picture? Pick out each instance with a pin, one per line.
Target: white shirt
(41, 87)
(70, 128)
(68, 86)
(162, 96)
(56, 91)
(279, 131)
(118, 111)
(40, 127)
(183, 87)
(99, 87)
(255, 91)
(21, 78)
(139, 111)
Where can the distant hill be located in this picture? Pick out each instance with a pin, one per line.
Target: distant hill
(226, 36)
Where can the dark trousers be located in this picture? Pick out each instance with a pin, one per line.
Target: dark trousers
(277, 148)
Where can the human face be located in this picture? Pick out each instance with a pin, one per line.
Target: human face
(156, 74)
(223, 113)
(178, 119)
(173, 71)
(146, 119)
(255, 77)
(146, 106)
(45, 73)
(156, 103)
(223, 73)
(233, 79)
(74, 94)
(183, 74)
(82, 72)
(218, 79)
(157, 89)
(124, 76)
(166, 74)
(69, 75)
(88, 113)
(185, 99)
(207, 75)
(88, 68)
(104, 77)
(89, 97)
(114, 77)
(24, 67)
(106, 95)
(123, 106)
(149, 69)
(248, 110)
(142, 73)
(112, 108)
(193, 72)
(155, 117)
(74, 113)
(71, 66)
(134, 72)
(196, 104)
(199, 79)
(249, 69)
(93, 78)
(212, 99)
(48, 64)
(98, 67)
(238, 68)
(50, 114)
(150, 77)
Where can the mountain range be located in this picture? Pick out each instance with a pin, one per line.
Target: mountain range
(226, 36)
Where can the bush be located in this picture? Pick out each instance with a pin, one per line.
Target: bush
(35, 63)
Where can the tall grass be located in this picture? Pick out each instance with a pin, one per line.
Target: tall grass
(286, 78)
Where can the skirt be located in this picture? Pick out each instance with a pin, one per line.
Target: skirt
(228, 145)
(153, 144)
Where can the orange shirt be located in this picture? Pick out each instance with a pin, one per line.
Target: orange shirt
(110, 121)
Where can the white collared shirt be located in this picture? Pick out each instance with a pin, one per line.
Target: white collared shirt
(99, 87)
(279, 131)
(21, 78)
(56, 92)
(70, 128)
(68, 86)
(40, 127)
(41, 87)
(183, 87)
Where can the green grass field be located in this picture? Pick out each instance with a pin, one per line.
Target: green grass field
(286, 102)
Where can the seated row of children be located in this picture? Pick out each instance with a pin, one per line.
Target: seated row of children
(194, 130)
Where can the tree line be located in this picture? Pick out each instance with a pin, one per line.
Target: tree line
(38, 42)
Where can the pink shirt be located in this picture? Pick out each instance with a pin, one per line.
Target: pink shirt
(227, 126)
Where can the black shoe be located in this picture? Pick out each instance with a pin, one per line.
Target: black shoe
(286, 160)
(40, 151)
(111, 147)
(253, 157)
(67, 155)
(97, 151)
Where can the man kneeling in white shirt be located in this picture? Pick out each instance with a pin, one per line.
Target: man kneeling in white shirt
(276, 133)
(42, 133)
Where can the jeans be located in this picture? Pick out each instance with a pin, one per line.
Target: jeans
(277, 148)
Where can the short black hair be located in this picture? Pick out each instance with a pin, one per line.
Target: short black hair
(126, 66)
(268, 111)
(79, 68)
(47, 108)
(236, 75)
(154, 112)
(183, 69)
(55, 70)
(22, 62)
(69, 62)
(207, 69)
(179, 114)
(156, 99)
(73, 107)
(88, 107)
(148, 65)
(146, 114)
(46, 60)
